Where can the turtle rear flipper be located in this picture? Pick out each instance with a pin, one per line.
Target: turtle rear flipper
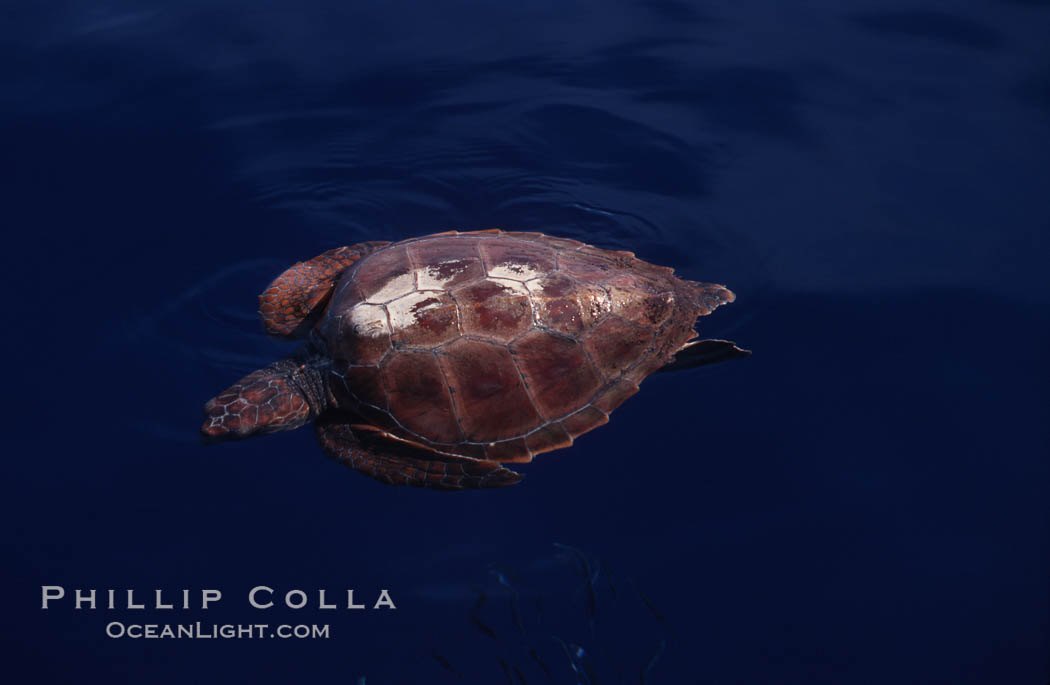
(396, 462)
(296, 299)
(704, 352)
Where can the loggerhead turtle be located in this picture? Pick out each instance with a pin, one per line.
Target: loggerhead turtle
(432, 361)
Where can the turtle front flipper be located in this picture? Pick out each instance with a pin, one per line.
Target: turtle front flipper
(296, 299)
(396, 462)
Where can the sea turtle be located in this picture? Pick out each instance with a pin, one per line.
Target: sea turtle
(433, 361)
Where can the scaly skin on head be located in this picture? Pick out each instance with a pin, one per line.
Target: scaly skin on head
(282, 396)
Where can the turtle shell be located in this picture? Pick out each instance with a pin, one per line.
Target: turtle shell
(501, 346)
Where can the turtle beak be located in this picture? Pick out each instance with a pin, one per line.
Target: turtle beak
(210, 435)
(219, 425)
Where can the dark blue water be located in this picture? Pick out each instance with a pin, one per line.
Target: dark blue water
(862, 501)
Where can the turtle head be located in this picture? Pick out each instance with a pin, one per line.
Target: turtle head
(283, 396)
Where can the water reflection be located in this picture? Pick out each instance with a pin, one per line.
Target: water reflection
(559, 618)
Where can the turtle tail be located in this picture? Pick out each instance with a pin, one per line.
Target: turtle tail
(708, 296)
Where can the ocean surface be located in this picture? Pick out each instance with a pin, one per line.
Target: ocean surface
(861, 501)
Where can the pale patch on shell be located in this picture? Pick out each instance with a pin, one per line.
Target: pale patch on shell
(405, 311)
(430, 277)
(369, 320)
(395, 287)
(516, 271)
